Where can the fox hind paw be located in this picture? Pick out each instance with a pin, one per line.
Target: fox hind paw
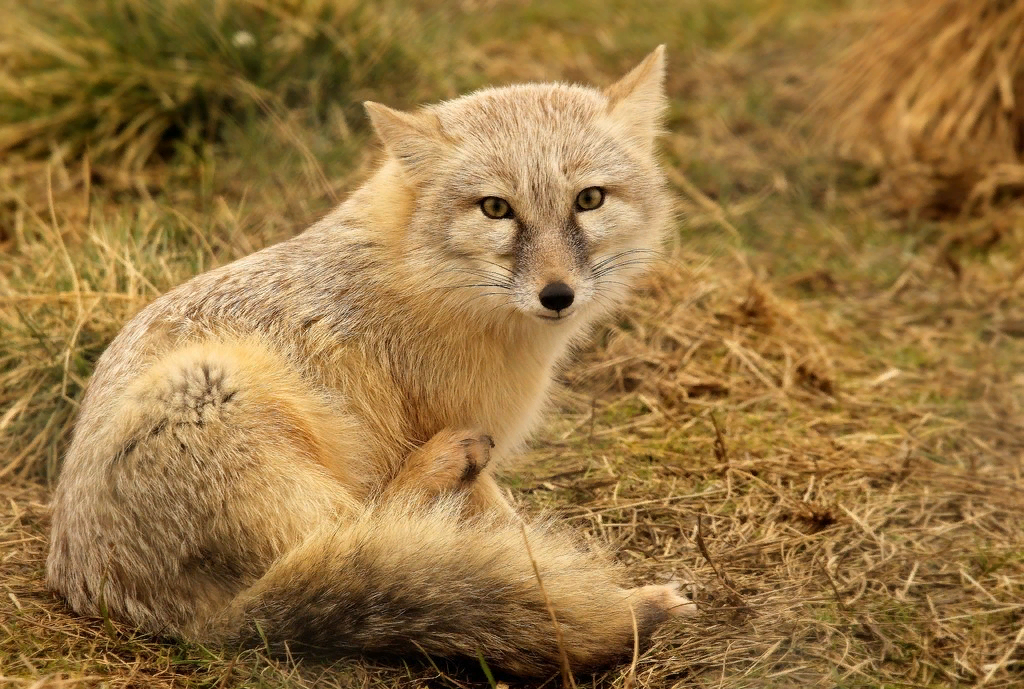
(667, 599)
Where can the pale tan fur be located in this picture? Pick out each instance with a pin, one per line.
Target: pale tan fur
(297, 448)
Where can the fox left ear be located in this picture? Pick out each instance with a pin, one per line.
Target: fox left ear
(412, 138)
(638, 101)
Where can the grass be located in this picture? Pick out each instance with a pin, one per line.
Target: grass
(128, 80)
(931, 101)
(812, 415)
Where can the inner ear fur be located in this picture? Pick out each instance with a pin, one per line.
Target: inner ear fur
(412, 138)
(637, 101)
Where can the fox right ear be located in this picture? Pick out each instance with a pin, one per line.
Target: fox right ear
(413, 139)
(637, 101)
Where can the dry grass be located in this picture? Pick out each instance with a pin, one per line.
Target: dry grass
(932, 97)
(811, 415)
(861, 522)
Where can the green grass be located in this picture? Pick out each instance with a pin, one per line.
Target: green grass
(126, 80)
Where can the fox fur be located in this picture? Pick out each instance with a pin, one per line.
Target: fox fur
(298, 449)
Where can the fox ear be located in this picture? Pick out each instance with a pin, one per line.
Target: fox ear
(637, 101)
(414, 139)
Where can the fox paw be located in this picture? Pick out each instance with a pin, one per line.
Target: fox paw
(665, 600)
(451, 460)
(476, 454)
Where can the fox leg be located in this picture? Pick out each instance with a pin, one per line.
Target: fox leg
(487, 497)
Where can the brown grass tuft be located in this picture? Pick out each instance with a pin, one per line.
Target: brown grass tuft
(932, 97)
(695, 338)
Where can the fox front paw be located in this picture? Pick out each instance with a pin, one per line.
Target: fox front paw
(451, 460)
(476, 455)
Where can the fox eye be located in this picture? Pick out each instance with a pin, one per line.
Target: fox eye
(589, 199)
(495, 208)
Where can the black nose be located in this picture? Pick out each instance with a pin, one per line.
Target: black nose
(556, 296)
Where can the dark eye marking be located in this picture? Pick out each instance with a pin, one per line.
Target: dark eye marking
(589, 199)
(496, 208)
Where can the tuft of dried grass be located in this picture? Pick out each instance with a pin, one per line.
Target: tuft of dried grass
(931, 97)
(695, 338)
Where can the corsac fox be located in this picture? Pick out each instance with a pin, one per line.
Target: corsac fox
(297, 449)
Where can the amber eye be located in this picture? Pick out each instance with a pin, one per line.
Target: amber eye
(589, 199)
(495, 208)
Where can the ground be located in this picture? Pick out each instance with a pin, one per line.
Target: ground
(812, 414)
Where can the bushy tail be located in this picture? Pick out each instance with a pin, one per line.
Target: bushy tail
(406, 580)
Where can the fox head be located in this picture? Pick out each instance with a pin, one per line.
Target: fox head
(546, 200)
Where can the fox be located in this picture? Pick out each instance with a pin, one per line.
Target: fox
(298, 450)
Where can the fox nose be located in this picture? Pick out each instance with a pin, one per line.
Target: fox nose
(556, 296)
